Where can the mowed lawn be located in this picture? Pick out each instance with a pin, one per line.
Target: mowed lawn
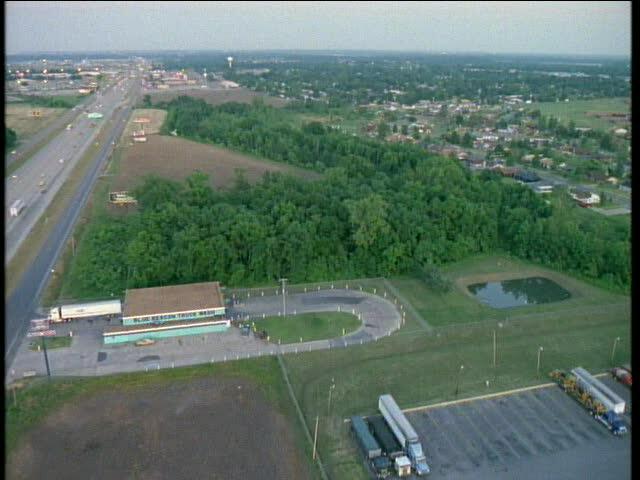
(459, 306)
(586, 113)
(418, 368)
(308, 326)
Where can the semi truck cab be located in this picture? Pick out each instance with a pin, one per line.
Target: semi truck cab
(418, 459)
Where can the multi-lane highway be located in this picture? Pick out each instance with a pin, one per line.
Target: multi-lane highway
(69, 146)
(37, 181)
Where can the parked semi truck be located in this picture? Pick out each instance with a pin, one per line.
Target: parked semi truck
(94, 309)
(622, 375)
(569, 383)
(385, 437)
(404, 432)
(599, 390)
(16, 207)
(370, 447)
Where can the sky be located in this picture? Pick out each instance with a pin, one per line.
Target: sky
(583, 28)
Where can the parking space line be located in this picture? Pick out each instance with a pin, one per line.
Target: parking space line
(523, 428)
(485, 446)
(576, 435)
(437, 454)
(510, 435)
(506, 448)
(453, 428)
(530, 414)
(462, 463)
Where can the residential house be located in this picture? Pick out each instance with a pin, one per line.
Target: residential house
(546, 163)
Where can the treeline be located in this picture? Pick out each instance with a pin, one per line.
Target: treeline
(378, 210)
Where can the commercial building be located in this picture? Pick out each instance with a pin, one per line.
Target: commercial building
(162, 312)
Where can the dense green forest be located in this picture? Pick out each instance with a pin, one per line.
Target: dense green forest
(379, 209)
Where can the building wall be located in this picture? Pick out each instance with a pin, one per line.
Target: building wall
(178, 332)
(171, 317)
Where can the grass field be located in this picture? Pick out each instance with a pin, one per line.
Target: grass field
(52, 343)
(217, 97)
(419, 368)
(43, 410)
(177, 158)
(19, 118)
(587, 113)
(308, 326)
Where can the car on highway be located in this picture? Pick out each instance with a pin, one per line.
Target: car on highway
(61, 160)
(14, 176)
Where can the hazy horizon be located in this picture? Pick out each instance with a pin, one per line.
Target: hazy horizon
(505, 28)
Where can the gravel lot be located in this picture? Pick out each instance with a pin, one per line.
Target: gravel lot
(536, 434)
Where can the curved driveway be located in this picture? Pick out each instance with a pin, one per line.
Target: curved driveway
(88, 356)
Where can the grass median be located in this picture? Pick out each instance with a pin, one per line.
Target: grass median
(52, 343)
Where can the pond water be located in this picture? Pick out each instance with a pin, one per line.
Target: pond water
(518, 292)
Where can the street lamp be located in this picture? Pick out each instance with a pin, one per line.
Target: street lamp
(458, 380)
(538, 367)
(613, 351)
(331, 388)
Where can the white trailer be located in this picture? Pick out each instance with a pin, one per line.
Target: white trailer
(16, 207)
(94, 309)
(599, 391)
(404, 432)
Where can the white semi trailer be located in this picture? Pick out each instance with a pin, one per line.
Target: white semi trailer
(599, 391)
(404, 432)
(83, 310)
(16, 207)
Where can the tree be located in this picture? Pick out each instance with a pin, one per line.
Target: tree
(10, 139)
(146, 101)
(404, 129)
(383, 130)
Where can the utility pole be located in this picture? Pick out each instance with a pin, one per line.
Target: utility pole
(458, 380)
(284, 301)
(46, 357)
(315, 437)
(494, 349)
(538, 367)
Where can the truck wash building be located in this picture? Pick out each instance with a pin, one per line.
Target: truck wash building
(161, 312)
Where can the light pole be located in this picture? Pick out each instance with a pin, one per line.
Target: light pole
(284, 302)
(538, 367)
(613, 351)
(458, 380)
(494, 349)
(333, 385)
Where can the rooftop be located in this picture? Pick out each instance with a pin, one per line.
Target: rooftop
(173, 299)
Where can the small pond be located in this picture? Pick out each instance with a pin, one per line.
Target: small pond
(518, 292)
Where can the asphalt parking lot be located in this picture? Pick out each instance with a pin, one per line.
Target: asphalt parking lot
(540, 433)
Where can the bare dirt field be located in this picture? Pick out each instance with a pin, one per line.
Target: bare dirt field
(219, 96)
(207, 428)
(20, 119)
(156, 118)
(177, 158)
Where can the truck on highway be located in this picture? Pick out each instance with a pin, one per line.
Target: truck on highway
(569, 383)
(404, 432)
(599, 390)
(94, 309)
(370, 447)
(17, 207)
(42, 186)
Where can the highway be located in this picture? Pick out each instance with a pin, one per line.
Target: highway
(21, 306)
(67, 117)
(51, 166)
